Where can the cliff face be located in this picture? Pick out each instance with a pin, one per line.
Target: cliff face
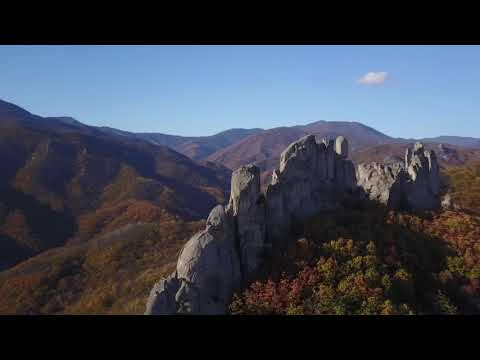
(382, 183)
(312, 177)
(414, 185)
(218, 260)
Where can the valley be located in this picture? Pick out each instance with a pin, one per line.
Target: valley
(92, 217)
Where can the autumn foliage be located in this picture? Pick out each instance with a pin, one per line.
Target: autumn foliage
(359, 262)
(110, 274)
(464, 185)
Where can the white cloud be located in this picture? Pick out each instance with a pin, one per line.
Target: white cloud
(373, 78)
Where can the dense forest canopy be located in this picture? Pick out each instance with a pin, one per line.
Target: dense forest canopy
(366, 260)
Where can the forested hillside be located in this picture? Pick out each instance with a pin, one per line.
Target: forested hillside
(365, 260)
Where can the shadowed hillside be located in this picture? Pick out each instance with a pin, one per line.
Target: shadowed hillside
(59, 177)
(365, 261)
(110, 274)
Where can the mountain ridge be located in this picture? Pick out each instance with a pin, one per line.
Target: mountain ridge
(55, 172)
(128, 205)
(229, 136)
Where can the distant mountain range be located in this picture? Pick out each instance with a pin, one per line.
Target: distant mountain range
(194, 147)
(97, 206)
(467, 142)
(64, 181)
(236, 147)
(263, 149)
(447, 155)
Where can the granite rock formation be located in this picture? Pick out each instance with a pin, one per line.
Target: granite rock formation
(382, 183)
(414, 185)
(228, 253)
(208, 271)
(312, 177)
(423, 188)
(247, 208)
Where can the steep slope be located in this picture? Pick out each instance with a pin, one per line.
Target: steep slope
(364, 261)
(464, 185)
(110, 274)
(319, 246)
(62, 180)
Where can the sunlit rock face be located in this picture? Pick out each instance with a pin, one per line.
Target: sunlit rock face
(310, 178)
(422, 190)
(208, 271)
(382, 183)
(414, 185)
(215, 261)
(247, 206)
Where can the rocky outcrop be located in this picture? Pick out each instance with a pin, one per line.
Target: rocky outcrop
(215, 261)
(341, 146)
(247, 207)
(414, 185)
(310, 178)
(208, 267)
(423, 188)
(162, 296)
(382, 183)
(208, 271)
(228, 253)
(313, 176)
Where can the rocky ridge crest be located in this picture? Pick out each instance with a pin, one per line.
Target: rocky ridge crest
(312, 177)
(413, 185)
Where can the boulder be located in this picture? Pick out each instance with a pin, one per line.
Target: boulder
(341, 147)
(447, 202)
(161, 300)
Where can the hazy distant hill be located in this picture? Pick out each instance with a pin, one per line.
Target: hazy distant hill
(447, 155)
(194, 147)
(264, 148)
(366, 145)
(468, 142)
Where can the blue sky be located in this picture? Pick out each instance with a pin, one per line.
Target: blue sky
(414, 91)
